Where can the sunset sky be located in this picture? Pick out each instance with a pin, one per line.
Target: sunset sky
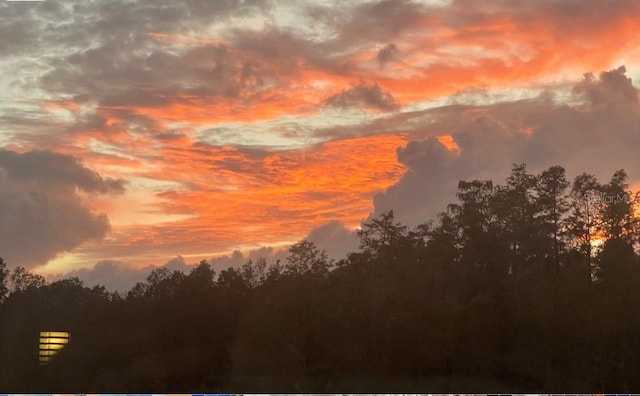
(143, 133)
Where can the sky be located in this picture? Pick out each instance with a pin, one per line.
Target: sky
(135, 134)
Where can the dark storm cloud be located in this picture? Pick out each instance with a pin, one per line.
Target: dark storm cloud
(42, 214)
(598, 136)
(362, 95)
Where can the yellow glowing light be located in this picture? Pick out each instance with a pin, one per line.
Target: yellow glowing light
(54, 340)
(55, 347)
(63, 334)
(50, 343)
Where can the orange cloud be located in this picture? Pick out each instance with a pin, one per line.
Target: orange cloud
(449, 142)
(239, 198)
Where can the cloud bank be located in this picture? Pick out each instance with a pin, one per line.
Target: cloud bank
(42, 211)
(599, 133)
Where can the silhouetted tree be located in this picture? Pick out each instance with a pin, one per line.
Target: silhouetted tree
(551, 207)
(305, 258)
(515, 209)
(21, 280)
(617, 208)
(254, 273)
(585, 217)
(232, 278)
(382, 237)
(444, 242)
(4, 280)
(274, 270)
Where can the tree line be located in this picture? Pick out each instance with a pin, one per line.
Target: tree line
(526, 286)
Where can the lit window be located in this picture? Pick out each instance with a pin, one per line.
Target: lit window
(50, 343)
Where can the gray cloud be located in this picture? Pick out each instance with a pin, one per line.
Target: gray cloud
(569, 17)
(42, 214)
(112, 274)
(48, 169)
(373, 21)
(104, 54)
(362, 95)
(388, 53)
(599, 135)
(120, 276)
(613, 89)
(28, 28)
(154, 78)
(365, 24)
(107, 55)
(335, 238)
